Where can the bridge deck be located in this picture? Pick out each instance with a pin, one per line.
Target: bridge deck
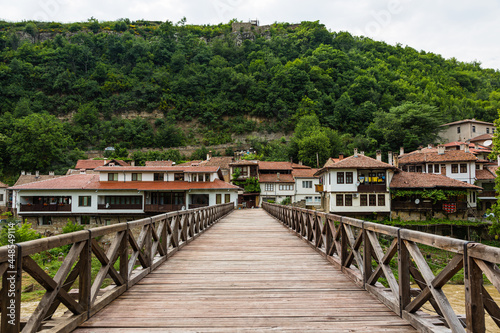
(246, 274)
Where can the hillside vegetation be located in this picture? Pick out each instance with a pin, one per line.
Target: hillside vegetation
(355, 91)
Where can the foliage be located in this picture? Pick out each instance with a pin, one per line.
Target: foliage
(286, 201)
(355, 92)
(71, 227)
(22, 232)
(250, 185)
(434, 195)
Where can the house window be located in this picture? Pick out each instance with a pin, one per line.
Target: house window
(463, 168)
(1, 197)
(107, 222)
(363, 200)
(307, 184)
(381, 199)
(454, 168)
(348, 199)
(429, 168)
(112, 176)
(340, 178)
(474, 197)
(381, 177)
(418, 169)
(373, 199)
(487, 130)
(436, 168)
(317, 199)
(218, 199)
(269, 187)
(286, 187)
(309, 199)
(84, 201)
(227, 198)
(46, 220)
(458, 130)
(411, 168)
(207, 177)
(340, 199)
(158, 176)
(179, 176)
(137, 176)
(473, 129)
(349, 179)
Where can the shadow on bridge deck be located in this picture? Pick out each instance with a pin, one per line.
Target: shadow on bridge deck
(248, 273)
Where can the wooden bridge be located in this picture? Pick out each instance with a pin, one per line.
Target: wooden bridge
(249, 273)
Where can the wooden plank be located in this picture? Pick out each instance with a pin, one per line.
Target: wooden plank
(249, 273)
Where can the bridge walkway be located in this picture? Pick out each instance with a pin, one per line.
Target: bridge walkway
(247, 274)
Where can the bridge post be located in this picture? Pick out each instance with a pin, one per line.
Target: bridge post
(343, 243)
(474, 306)
(11, 290)
(404, 275)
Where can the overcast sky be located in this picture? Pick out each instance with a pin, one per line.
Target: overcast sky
(464, 29)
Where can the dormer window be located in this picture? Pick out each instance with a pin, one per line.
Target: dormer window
(113, 176)
(137, 176)
(207, 177)
(158, 176)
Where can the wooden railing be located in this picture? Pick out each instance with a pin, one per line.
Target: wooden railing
(371, 254)
(135, 249)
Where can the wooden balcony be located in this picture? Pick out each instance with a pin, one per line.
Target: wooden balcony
(369, 188)
(487, 194)
(192, 206)
(319, 187)
(426, 206)
(119, 206)
(162, 208)
(45, 208)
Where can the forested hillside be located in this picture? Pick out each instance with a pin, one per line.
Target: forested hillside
(355, 91)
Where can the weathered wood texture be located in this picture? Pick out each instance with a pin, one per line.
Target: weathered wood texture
(158, 238)
(367, 252)
(247, 274)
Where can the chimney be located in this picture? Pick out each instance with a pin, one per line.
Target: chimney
(132, 163)
(341, 157)
(462, 146)
(430, 146)
(396, 160)
(37, 174)
(466, 149)
(355, 152)
(51, 173)
(23, 173)
(29, 173)
(441, 149)
(209, 155)
(362, 153)
(301, 163)
(401, 151)
(379, 155)
(389, 158)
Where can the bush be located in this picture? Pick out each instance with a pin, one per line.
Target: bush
(22, 232)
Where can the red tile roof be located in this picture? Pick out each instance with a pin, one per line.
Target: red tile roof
(91, 182)
(93, 164)
(300, 166)
(483, 137)
(357, 162)
(331, 161)
(485, 174)
(220, 161)
(454, 144)
(304, 173)
(2, 185)
(69, 182)
(159, 163)
(273, 178)
(427, 180)
(25, 179)
(275, 165)
(179, 168)
(427, 155)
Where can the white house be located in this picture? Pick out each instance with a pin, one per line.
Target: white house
(305, 186)
(119, 193)
(455, 164)
(356, 185)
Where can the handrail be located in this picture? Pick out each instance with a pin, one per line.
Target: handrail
(365, 250)
(137, 247)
